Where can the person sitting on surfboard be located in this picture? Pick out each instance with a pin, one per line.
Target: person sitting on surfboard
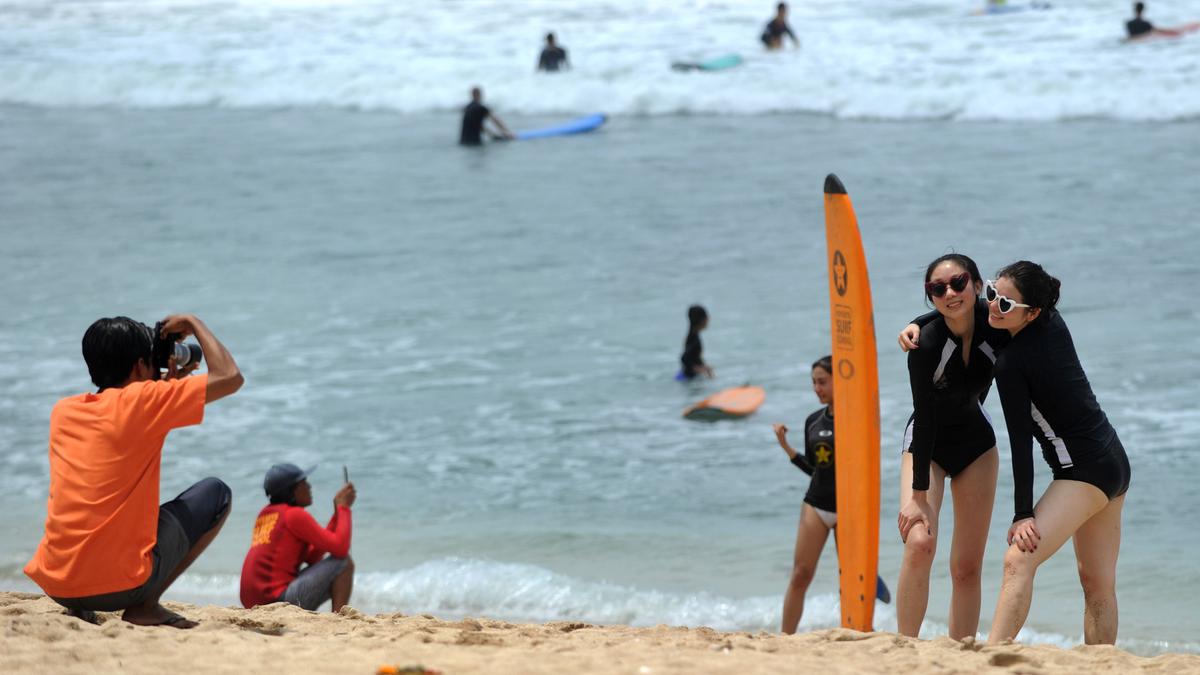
(692, 358)
(286, 537)
(818, 514)
(474, 115)
(777, 27)
(948, 436)
(553, 58)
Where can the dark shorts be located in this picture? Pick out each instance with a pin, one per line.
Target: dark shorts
(958, 446)
(181, 523)
(1110, 473)
(313, 587)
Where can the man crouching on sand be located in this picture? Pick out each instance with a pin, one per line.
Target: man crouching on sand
(108, 544)
(285, 536)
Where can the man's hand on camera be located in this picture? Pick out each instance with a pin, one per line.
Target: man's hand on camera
(174, 373)
(345, 496)
(177, 323)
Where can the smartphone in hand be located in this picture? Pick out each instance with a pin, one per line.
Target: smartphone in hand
(345, 474)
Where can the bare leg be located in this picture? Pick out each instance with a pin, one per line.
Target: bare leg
(1066, 506)
(343, 585)
(974, 493)
(151, 613)
(1097, 544)
(811, 534)
(912, 590)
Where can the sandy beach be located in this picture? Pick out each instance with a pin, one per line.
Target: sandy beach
(39, 638)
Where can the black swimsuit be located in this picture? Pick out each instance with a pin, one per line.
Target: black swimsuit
(818, 461)
(949, 425)
(1046, 395)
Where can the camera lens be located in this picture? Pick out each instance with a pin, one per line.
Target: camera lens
(186, 355)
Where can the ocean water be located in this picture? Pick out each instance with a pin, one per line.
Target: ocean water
(925, 59)
(487, 338)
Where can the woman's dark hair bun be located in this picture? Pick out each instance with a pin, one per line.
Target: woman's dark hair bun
(1037, 288)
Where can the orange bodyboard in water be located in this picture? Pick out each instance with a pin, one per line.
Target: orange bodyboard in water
(855, 409)
(735, 402)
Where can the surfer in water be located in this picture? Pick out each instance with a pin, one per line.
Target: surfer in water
(1139, 27)
(553, 58)
(777, 27)
(474, 115)
(1046, 395)
(692, 360)
(948, 436)
(818, 513)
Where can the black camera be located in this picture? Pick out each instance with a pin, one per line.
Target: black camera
(163, 348)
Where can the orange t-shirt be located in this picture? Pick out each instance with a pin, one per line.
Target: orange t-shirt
(105, 455)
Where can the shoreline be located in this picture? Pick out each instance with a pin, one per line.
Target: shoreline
(39, 637)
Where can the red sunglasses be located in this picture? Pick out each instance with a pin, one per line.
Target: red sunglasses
(938, 288)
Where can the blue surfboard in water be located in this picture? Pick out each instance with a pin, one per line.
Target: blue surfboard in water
(575, 126)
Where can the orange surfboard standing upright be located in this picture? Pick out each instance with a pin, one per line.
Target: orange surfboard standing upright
(855, 409)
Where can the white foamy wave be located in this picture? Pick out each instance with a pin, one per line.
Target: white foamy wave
(860, 58)
(454, 588)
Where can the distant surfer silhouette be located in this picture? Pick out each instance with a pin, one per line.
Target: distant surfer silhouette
(692, 360)
(553, 57)
(1137, 27)
(777, 27)
(474, 115)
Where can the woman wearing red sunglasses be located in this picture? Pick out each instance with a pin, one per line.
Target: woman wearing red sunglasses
(1046, 395)
(948, 436)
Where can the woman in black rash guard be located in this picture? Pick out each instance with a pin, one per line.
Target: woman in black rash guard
(948, 436)
(1046, 395)
(818, 514)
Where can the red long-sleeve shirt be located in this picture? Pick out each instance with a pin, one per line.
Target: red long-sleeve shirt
(284, 537)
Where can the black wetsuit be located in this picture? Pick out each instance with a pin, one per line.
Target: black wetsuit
(1046, 395)
(472, 123)
(552, 59)
(1136, 27)
(691, 359)
(775, 31)
(948, 424)
(818, 460)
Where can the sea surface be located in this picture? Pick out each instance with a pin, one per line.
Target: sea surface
(486, 338)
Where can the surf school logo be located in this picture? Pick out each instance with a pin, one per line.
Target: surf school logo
(845, 369)
(840, 276)
(824, 453)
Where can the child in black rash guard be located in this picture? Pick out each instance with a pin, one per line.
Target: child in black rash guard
(692, 360)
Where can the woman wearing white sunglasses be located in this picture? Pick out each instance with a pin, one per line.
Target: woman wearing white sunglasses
(1045, 395)
(948, 436)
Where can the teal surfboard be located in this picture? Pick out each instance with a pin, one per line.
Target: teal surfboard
(719, 63)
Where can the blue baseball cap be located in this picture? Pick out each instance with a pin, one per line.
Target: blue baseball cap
(281, 478)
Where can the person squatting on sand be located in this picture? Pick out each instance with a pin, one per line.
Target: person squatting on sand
(108, 544)
(1046, 395)
(948, 436)
(285, 537)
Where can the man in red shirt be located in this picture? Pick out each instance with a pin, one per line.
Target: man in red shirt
(285, 536)
(108, 544)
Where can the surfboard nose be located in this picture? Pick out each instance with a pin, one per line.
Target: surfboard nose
(833, 185)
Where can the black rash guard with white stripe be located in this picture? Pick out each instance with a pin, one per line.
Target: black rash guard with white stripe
(818, 460)
(948, 395)
(1046, 395)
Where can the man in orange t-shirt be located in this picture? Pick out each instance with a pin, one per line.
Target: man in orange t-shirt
(108, 544)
